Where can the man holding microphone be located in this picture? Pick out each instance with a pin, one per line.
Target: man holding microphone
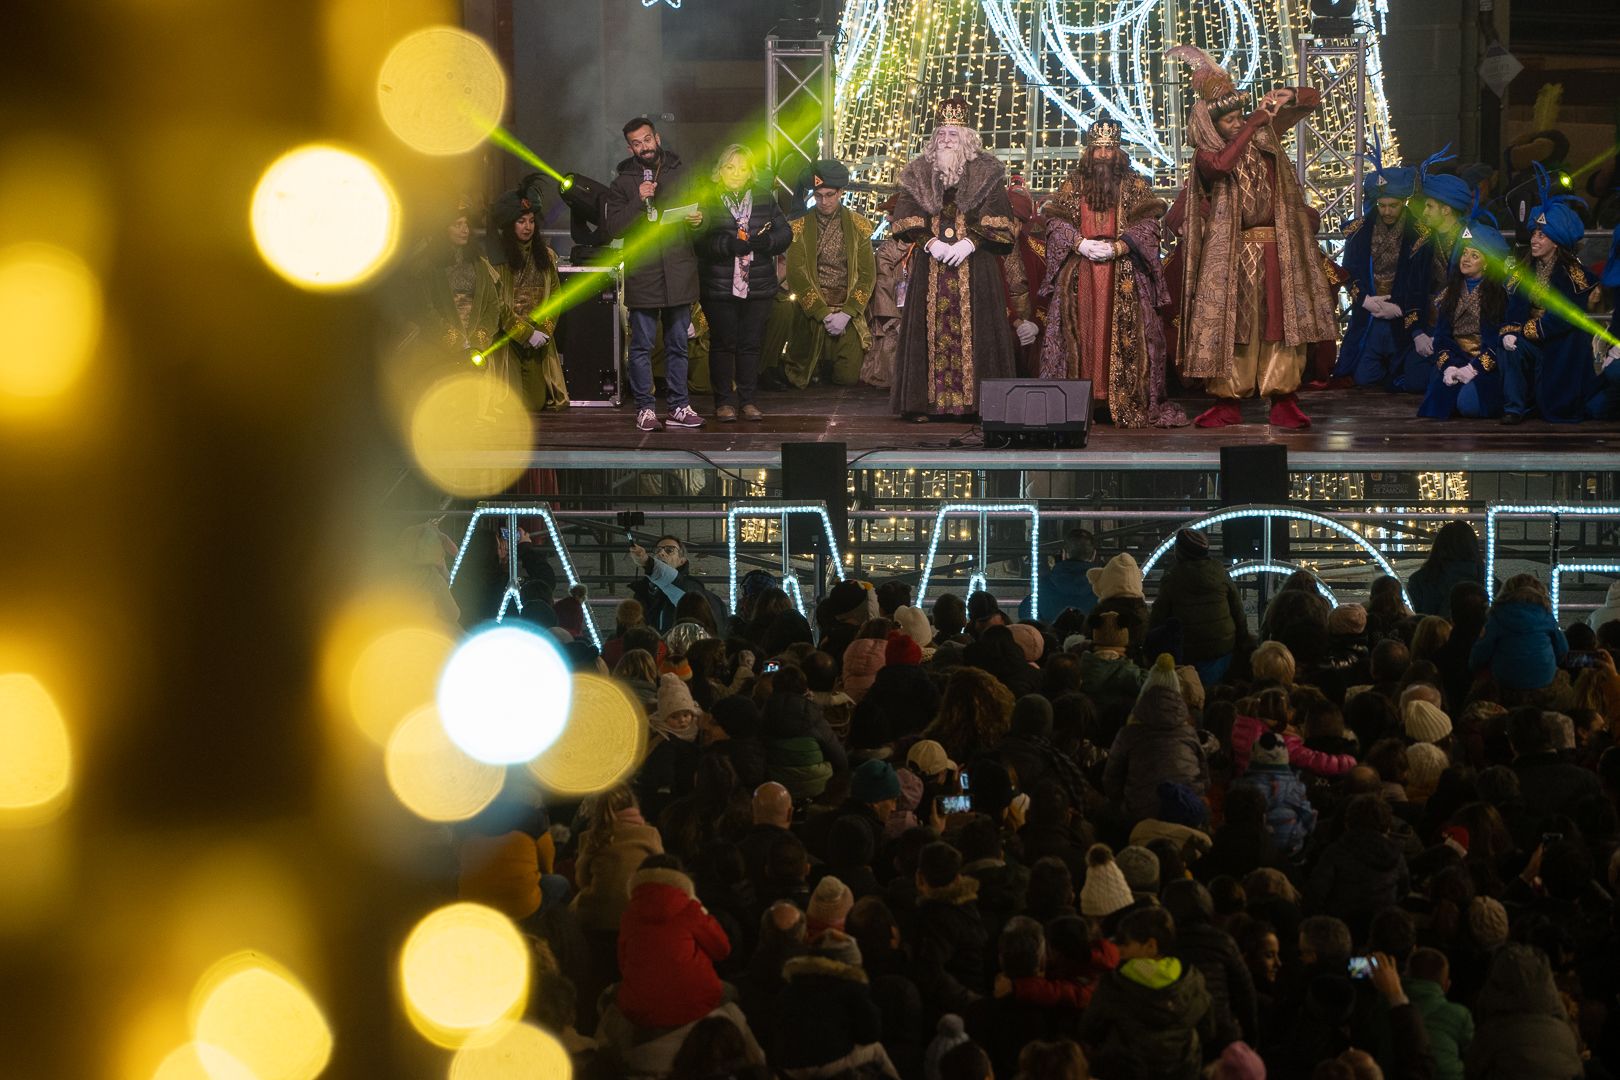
(662, 280)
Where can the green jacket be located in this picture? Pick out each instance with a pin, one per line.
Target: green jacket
(1108, 682)
(1148, 1021)
(801, 269)
(1199, 594)
(1450, 1027)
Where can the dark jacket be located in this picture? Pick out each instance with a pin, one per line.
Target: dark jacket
(1063, 587)
(902, 700)
(1521, 1029)
(801, 752)
(1146, 1033)
(660, 609)
(1231, 988)
(1549, 785)
(1157, 745)
(1358, 875)
(820, 826)
(668, 277)
(1430, 584)
(950, 949)
(1522, 645)
(769, 232)
(1199, 594)
(1002, 889)
(823, 1013)
(755, 845)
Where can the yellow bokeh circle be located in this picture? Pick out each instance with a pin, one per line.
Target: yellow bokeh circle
(36, 752)
(256, 1012)
(464, 968)
(441, 90)
(324, 218)
(51, 307)
(396, 674)
(512, 1051)
(602, 743)
(200, 1061)
(469, 436)
(432, 776)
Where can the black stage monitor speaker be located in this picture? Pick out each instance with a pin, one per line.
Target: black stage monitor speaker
(1254, 474)
(1035, 412)
(816, 472)
(588, 338)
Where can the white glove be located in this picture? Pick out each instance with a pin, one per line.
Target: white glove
(1388, 310)
(836, 323)
(1424, 344)
(959, 253)
(1027, 331)
(1449, 376)
(1510, 342)
(538, 338)
(1609, 358)
(1467, 375)
(938, 249)
(1096, 250)
(1373, 303)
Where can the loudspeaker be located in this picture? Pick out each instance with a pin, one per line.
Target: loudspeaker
(588, 337)
(1035, 412)
(1254, 474)
(811, 472)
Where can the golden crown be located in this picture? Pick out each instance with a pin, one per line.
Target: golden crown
(953, 110)
(1103, 133)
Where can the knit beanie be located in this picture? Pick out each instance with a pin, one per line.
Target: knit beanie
(1162, 674)
(1269, 749)
(1108, 634)
(1425, 722)
(1140, 867)
(1179, 804)
(837, 946)
(1191, 544)
(902, 649)
(914, 624)
(947, 1037)
(1119, 576)
(1488, 922)
(1424, 764)
(1239, 1062)
(873, 781)
(829, 905)
(1029, 640)
(673, 697)
(1032, 717)
(1105, 890)
(1347, 619)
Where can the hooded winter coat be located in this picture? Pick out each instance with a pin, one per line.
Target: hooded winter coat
(1359, 874)
(1226, 977)
(1247, 729)
(1289, 814)
(862, 661)
(801, 752)
(1522, 1029)
(950, 946)
(1450, 1027)
(1157, 745)
(668, 946)
(1522, 645)
(1109, 681)
(1200, 594)
(901, 701)
(1148, 1020)
(823, 1013)
(603, 874)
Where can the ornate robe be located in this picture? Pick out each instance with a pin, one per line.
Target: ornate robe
(954, 330)
(524, 292)
(828, 269)
(1103, 322)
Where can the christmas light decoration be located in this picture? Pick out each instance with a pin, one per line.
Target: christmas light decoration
(511, 595)
(1558, 572)
(1265, 514)
(1037, 73)
(1552, 510)
(985, 510)
(1254, 569)
(780, 511)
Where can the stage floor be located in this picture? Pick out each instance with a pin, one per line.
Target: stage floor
(1351, 430)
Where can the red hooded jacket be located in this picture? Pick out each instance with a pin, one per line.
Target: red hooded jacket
(668, 946)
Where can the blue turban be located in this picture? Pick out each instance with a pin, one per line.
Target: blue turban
(1452, 191)
(1483, 238)
(1553, 215)
(1394, 182)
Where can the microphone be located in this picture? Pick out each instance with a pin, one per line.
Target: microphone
(647, 178)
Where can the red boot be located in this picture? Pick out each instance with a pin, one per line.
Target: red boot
(1285, 413)
(1224, 413)
(1336, 382)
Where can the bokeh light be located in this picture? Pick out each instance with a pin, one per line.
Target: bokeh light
(512, 1052)
(200, 1061)
(441, 90)
(602, 743)
(257, 1013)
(396, 674)
(54, 190)
(432, 776)
(504, 695)
(51, 305)
(324, 218)
(467, 440)
(463, 968)
(36, 753)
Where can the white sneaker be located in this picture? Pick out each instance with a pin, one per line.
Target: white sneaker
(647, 420)
(684, 417)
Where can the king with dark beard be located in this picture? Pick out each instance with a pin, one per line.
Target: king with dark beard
(1105, 284)
(954, 330)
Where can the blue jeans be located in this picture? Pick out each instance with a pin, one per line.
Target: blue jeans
(644, 322)
(1213, 671)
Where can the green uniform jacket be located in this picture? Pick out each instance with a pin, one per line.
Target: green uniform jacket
(801, 270)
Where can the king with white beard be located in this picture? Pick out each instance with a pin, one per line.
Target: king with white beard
(954, 332)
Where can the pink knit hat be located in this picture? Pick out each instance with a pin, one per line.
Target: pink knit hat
(1029, 640)
(829, 906)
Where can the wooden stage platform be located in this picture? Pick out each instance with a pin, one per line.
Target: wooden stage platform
(1352, 430)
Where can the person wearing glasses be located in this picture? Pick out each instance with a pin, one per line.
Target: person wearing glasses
(663, 578)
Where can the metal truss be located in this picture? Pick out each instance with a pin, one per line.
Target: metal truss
(1331, 144)
(798, 87)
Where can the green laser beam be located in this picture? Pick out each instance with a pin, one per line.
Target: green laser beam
(1547, 298)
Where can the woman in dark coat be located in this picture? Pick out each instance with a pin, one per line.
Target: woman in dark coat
(997, 652)
(1454, 558)
(744, 232)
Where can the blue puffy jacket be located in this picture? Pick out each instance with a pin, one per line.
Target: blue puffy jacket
(1522, 645)
(1289, 814)
(1064, 586)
